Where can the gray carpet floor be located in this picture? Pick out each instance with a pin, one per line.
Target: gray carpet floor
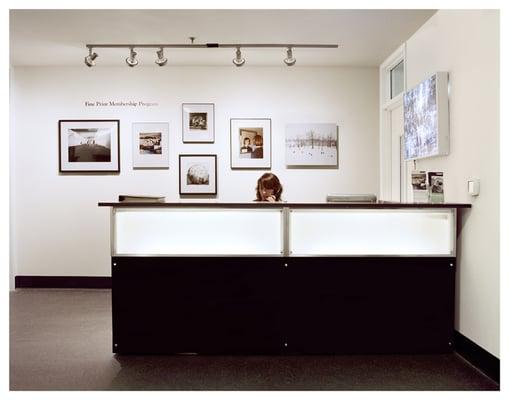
(61, 340)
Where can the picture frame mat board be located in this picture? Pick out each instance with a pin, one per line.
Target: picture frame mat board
(198, 174)
(150, 145)
(198, 122)
(255, 127)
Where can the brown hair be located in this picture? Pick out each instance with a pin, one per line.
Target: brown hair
(269, 181)
(258, 140)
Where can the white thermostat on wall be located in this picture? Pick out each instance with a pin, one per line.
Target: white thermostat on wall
(473, 187)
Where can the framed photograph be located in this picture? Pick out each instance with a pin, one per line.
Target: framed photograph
(250, 143)
(426, 118)
(89, 145)
(150, 145)
(311, 145)
(198, 123)
(198, 174)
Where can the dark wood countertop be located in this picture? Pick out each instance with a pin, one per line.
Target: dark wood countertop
(189, 204)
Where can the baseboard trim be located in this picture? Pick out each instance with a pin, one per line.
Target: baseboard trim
(477, 356)
(61, 282)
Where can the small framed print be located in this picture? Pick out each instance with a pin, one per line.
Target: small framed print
(89, 145)
(150, 145)
(250, 143)
(198, 123)
(198, 174)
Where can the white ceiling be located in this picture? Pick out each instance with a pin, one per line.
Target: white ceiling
(58, 37)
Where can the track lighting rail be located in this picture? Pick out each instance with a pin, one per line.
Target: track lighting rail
(211, 45)
(161, 60)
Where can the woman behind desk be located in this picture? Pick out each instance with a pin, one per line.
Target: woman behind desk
(268, 188)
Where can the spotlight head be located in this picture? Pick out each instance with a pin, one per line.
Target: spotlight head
(289, 60)
(90, 59)
(161, 59)
(131, 60)
(238, 60)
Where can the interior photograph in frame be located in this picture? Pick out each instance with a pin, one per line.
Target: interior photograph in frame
(89, 145)
(198, 123)
(198, 174)
(150, 145)
(311, 145)
(250, 143)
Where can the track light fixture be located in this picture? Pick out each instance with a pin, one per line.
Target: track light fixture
(131, 60)
(161, 59)
(289, 60)
(238, 60)
(90, 59)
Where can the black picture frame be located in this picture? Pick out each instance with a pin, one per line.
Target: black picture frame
(66, 166)
(196, 190)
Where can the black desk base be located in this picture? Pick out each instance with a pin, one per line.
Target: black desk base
(276, 305)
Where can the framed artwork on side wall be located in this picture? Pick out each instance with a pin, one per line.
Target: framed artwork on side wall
(250, 143)
(150, 145)
(198, 123)
(198, 174)
(311, 145)
(89, 145)
(426, 118)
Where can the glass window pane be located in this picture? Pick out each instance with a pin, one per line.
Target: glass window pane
(397, 79)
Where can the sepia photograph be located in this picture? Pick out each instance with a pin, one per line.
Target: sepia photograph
(250, 143)
(198, 123)
(313, 145)
(150, 145)
(89, 145)
(198, 174)
(150, 142)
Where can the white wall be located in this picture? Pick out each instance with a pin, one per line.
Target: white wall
(12, 199)
(466, 44)
(59, 230)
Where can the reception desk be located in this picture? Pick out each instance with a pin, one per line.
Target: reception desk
(284, 278)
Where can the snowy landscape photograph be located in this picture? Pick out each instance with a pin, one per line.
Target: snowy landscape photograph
(313, 145)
